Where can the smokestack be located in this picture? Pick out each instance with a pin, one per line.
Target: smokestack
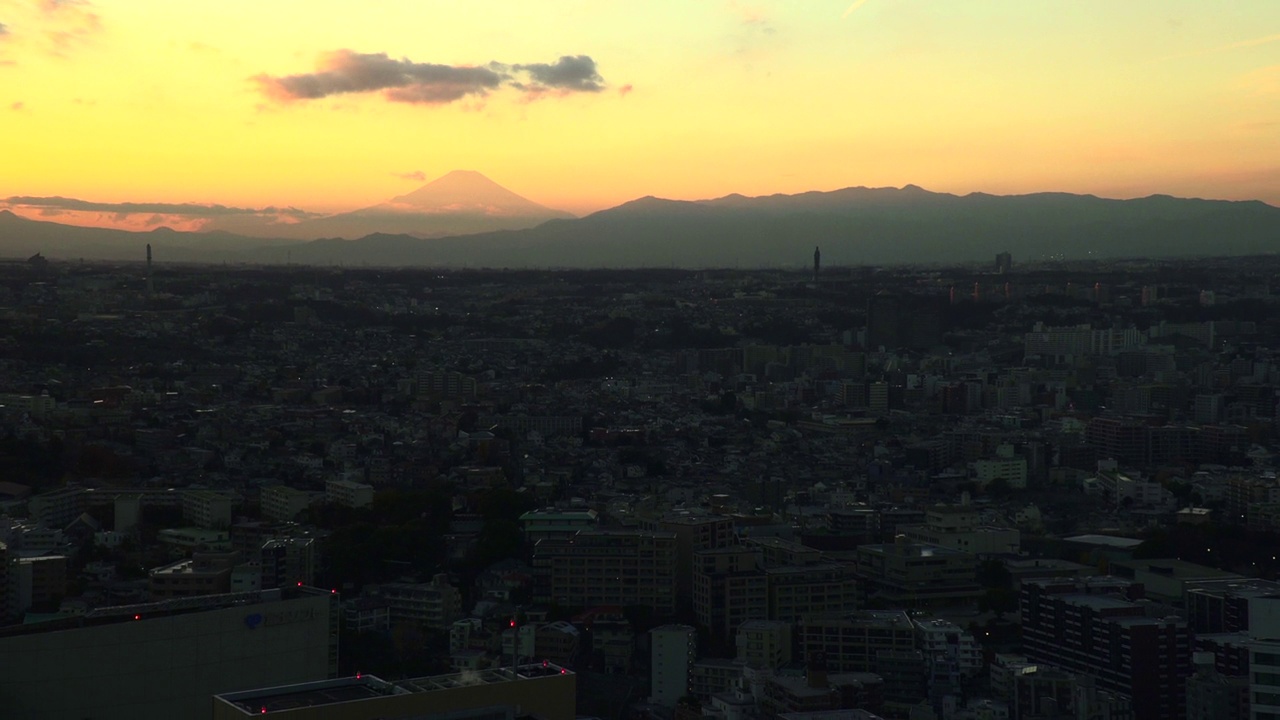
(150, 284)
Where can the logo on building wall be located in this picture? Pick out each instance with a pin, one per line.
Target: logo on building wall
(279, 617)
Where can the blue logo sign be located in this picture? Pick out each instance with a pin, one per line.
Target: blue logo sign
(253, 621)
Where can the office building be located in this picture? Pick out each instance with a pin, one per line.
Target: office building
(673, 650)
(821, 695)
(913, 575)
(281, 502)
(164, 659)
(607, 567)
(435, 604)
(957, 527)
(729, 588)
(202, 574)
(539, 524)
(1223, 606)
(764, 643)
(348, 493)
(207, 508)
(693, 532)
(37, 583)
(543, 690)
(288, 561)
(952, 657)
(797, 591)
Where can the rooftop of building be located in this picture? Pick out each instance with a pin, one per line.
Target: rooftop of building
(1122, 543)
(867, 618)
(1097, 602)
(366, 687)
(911, 549)
(164, 608)
(553, 514)
(1174, 568)
(1249, 587)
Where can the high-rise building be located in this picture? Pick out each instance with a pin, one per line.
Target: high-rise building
(673, 650)
(817, 263)
(1099, 627)
(1004, 263)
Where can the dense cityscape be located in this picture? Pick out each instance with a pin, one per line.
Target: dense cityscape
(1005, 490)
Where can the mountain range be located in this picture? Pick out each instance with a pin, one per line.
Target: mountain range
(853, 226)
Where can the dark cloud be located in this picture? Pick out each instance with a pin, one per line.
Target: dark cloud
(345, 71)
(570, 72)
(403, 80)
(123, 210)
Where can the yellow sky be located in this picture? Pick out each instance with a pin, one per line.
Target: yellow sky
(155, 101)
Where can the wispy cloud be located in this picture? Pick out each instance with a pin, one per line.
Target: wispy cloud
(748, 14)
(1238, 45)
(416, 176)
(852, 8)
(345, 71)
(191, 210)
(54, 27)
(69, 23)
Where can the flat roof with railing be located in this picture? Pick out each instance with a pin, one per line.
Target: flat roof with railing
(365, 687)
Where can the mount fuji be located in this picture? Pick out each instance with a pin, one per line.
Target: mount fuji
(462, 202)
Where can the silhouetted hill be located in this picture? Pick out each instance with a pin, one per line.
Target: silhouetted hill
(20, 237)
(852, 226)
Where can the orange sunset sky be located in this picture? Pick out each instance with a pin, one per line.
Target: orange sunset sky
(326, 106)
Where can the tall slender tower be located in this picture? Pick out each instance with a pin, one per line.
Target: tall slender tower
(150, 284)
(817, 263)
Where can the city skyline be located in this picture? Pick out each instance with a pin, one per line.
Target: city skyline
(312, 108)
